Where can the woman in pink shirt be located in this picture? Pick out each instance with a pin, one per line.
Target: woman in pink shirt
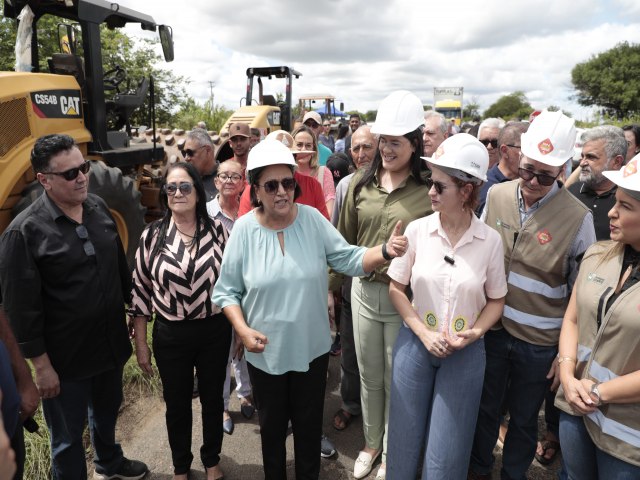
(455, 268)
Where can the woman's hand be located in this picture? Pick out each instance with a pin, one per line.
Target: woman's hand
(143, 355)
(253, 340)
(434, 342)
(576, 392)
(397, 244)
(465, 338)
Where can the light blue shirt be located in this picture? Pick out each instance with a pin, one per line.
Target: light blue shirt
(284, 296)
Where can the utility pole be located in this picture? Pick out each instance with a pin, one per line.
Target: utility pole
(211, 85)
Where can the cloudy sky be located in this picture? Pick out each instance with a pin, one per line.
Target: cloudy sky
(361, 50)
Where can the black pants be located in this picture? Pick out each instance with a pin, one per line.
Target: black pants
(179, 347)
(295, 396)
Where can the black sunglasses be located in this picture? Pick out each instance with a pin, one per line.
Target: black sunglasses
(188, 152)
(312, 124)
(439, 186)
(171, 188)
(493, 142)
(271, 187)
(73, 173)
(82, 233)
(544, 179)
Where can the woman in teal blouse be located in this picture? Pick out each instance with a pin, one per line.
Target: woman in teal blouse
(273, 290)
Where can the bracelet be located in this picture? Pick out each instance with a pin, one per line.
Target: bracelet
(385, 254)
(566, 359)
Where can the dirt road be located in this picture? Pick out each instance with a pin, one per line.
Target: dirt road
(143, 436)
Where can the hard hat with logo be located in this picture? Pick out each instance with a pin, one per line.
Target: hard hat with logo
(269, 152)
(286, 139)
(550, 139)
(628, 177)
(462, 156)
(400, 113)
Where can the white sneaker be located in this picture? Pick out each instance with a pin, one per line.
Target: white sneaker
(382, 474)
(364, 464)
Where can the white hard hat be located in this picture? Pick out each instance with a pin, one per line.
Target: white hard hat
(550, 139)
(287, 140)
(400, 113)
(628, 177)
(269, 152)
(462, 156)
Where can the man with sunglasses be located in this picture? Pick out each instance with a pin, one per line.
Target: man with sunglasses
(488, 135)
(65, 280)
(198, 150)
(508, 159)
(545, 231)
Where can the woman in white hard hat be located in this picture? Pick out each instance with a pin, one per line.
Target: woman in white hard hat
(306, 144)
(599, 350)
(393, 188)
(273, 289)
(454, 267)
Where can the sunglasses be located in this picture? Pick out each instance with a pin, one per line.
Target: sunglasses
(224, 177)
(493, 142)
(326, 125)
(73, 173)
(171, 188)
(312, 124)
(188, 152)
(544, 179)
(439, 186)
(271, 187)
(82, 233)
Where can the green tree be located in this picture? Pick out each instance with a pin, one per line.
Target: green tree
(192, 112)
(370, 116)
(471, 110)
(610, 80)
(509, 106)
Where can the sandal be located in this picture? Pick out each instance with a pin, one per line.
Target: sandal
(344, 418)
(548, 445)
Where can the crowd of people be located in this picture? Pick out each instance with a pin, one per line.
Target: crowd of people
(472, 278)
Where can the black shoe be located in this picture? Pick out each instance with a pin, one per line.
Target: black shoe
(247, 410)
(128, 470)
(228, 426)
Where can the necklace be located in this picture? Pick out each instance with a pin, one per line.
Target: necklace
(191, 242)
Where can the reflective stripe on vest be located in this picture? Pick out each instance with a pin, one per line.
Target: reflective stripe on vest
(536, 286)
(616, 429)
(536, 321)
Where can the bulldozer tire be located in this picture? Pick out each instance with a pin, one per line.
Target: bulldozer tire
(120, 195)
(123, 200)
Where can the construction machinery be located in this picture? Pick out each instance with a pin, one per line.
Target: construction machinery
(448, 102)
(268, 114)
(70, 98)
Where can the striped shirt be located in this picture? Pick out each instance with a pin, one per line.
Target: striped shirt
(214, 210)
(173, 284)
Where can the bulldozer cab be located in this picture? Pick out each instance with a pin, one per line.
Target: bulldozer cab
(101, 92)
(266, 112)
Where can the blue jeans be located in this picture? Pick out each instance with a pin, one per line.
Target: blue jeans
(584, 460)
(434, 404)
(516, 372)
(100, 397)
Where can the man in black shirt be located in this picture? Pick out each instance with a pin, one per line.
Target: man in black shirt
(64, 279)
(604, 148)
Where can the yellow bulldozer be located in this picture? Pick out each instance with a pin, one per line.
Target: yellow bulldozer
(70, 98)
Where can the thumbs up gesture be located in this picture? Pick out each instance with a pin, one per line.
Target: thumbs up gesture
(397, 244)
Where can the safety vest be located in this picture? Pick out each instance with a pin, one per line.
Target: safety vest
(608, 352)
(535, 255)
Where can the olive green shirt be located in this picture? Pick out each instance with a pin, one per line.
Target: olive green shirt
(368, 220)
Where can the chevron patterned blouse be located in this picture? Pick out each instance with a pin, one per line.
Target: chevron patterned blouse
(173, 284)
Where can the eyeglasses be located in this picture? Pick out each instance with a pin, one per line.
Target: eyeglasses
(73, 173)
(326, 124)
(82, 233)
(271, 187)
(234, 177)
(188, 152)
(544, 179)
(363, 146)
(513, 146)
(493, 142)
(312, 124)
(171, 188)
(439, 186)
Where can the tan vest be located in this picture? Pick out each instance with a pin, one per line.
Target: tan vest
(612, 351)
(535, 255)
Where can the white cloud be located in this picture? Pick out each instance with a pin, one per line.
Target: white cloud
(360, 52)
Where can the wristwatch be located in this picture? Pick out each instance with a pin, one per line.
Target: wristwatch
(596, 393)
